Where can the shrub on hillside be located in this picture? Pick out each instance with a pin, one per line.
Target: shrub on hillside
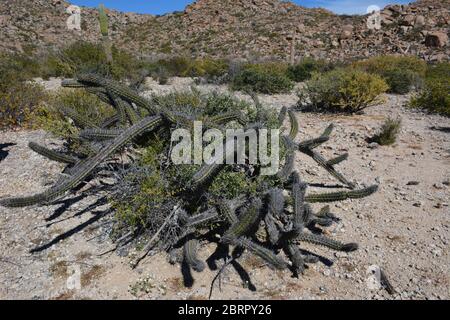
(18, 98)
(402, 73)
(51, 116)
(435, 96)
(270, 78)
(303, 70)
(17, 102)
(89, 57)
(346, 90)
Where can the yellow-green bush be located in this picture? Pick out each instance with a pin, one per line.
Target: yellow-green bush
(435, 97)
(17, 103)
(346, 90)
(18, 97)
(52, 120)
(268, 78)
(88, 57)
(402, 73)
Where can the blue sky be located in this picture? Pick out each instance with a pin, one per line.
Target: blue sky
(164, 6)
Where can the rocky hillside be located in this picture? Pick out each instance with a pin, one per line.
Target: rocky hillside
(238, 28)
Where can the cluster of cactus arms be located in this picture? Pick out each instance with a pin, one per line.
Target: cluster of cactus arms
(271, 222)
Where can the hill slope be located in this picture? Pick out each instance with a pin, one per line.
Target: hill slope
(239, 28)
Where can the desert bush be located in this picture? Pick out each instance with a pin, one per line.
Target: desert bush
(435, 96)
(18, 101)
(268, 78)
(52, 118)
(188, 67)
(388, 132)
(345, 90)
(303, 70)
(84, 56)
(18, 96)
(402, 73)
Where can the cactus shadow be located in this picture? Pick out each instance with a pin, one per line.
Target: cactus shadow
(441, 129)
(5, 153)
(97, 216)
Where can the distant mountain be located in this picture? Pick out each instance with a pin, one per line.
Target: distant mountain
(237, 28)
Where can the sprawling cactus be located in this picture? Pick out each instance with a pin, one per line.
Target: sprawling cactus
(274, 216)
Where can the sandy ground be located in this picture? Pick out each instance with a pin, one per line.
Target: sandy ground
(404, 228)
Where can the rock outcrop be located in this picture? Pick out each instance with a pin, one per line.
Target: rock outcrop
(252, 29)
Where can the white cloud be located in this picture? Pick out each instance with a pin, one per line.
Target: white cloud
(353, 6)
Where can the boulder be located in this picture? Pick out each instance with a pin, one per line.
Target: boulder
(419, 22)
(436, 39)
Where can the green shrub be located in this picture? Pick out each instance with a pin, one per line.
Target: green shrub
(187, 67)
(388, 132)
(89, 57)
(18, 97)
(303, 71)
(17, 103)
(435, 97)
(402, 73)
(270, 78)
(402, 81)
(346, 90)
(52, 120)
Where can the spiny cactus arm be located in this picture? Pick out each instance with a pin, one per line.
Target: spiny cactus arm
(322, 219)
(282, 116)
(132, 115)
(202, 218)
(272, 229)
(190, 255)
(100, 93)
(298, 195)
(340, 196)
(109, 122)
(323, 163)
(120, 107)
(286, 171)
(313, 143)
(149, 123)
(337, 160)
(327, 242)
(204, 175)
(226, 211)
(257, 103)
(249, 218)
(324, 211)
(267, 255)
(275, 202)
(72, 83)
(100, 134)
(52, 155)
(116, 88)
(228, 117)
(79, 120)
(103, 20)
(293, 252)
(294, 125)
(328, 131)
